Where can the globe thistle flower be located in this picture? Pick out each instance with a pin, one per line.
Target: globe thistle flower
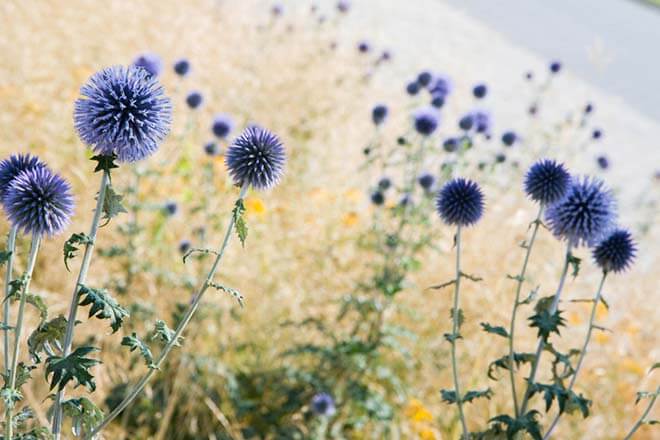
(424, 78)
(482, 121)
(412, 88)
(603, 162)
(343, 6)
(256, 158)
(194, 99)
(377, 198)
(584, 214)
(529, 76)
(13, 166)
(386, 55)
(589, 108)
(363, 47)
(500, 158)
(479, 91)
(450, 145)
(597, 134)
(170, 208)
(182, 67)
(276, 10)
(323, 404)
(39, 202)
(378, 114)
(438, 101)
(426, 120)
(509, 138)
(406, 200)
(441, 86)
(123, 111)
(211, 149)
(149, 62)
(466, 122)
(384, 183)
(460, 202)
(184, 246)
(547, 181)
(222, 125)
(616, 252)
(555, 67)
(426, 181)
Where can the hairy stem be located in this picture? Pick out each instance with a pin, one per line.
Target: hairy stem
(177, 334)
(73, 308)
(541, 344)
(32, 259)
(455, 330)
(516, 304)
(644, 415)
(11, 249)
(583, 352)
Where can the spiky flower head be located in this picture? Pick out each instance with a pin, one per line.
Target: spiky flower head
(256, 158)
(377, 198)
(426, 181)
(194, 99)
(616, 252)
(547, 181)
(184, 246)
(460, 202)
(378, 114)
(426, 120)
(13, 166)
(39, 202)
(182, 67)
(211, 149)
(584, 214)
(222, 125)
(149, 62)
(509, 138)
(323, 404)
(479, 91)
(123, 111)
(441, 85)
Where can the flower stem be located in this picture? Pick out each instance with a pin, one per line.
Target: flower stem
(455, 330)
(541, 344)
(32, 259)
(583, 352)
(11, 248)
(642, 419)
(177, 334)
(516, 304)
(73, 308)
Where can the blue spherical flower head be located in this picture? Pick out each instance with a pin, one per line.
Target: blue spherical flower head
(466, 122)
(377, 198)
(555, 67)
(363, 47)
(482, 121)
(597, 134)
(616, 252)
(149, 62)
(182, 67)
(194, 100)
(438, 101)
(170, 208)
(184, 246)
(13, 166)
(547, 181)
(343, 6)
(412, 88)
(384, 183)
(123, 111)
(479, 91)
(378, 114)
(584, 214)
(426, 181)
(256, 158)
(460, 202)
(222, 125)
(450, 145)
(39, 202)
(603, 162)
(509, 138)
(426, 120)
(424, 78)
(441, 86)
(211, 149)
(323, 404)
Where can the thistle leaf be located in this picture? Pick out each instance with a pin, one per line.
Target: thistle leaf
(233, 292)
(477, 394)
(112, 205)
(547, 323)
(498, 330)
(72, 367)
(239, 220)
(575, 264)
(133, 342)
(504, 363)
(104, 306)
(71, 246)
(46, 336)
(85, 415)
(164, 334)
(104, 163)
(4, 257)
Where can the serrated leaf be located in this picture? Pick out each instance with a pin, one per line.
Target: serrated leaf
(75, 366)
(448, 396)
(527, 423)
(239, 220)
(48, 335)
(497, 330)
(4, 257)
(477, 394)
(103, 305)
(504, 363)
(164, 334)
(112, 205)
(85, 415)
(104, 162)
(133, 342)
(574, 262)
(233, 292)
(23, 375)
(15, 288)
(547, 323)
(71, 246)
(531, 297)
(38, 302)
(9, 397)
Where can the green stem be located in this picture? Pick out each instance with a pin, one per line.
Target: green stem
(32, 259)
(516, 304)
(541, 344)
(177, 334)
(11, 248)
(642, 419)
(73, 308)
(455, 329)
(583, 352)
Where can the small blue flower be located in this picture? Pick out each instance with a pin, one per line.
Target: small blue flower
(170, 208)
(589, 108)
(276, 10)
(450, 144)
(378, 114)
(441, 85)
(211, 149)
(363, 47)
(603, 162)
(257, 158)
(194, 99)
(466, 122)
(343, 6)
(323, 404)
(377, 198)
(616, 252)
(597, 134)
(438, 101)
(384, 183)
(123, 111)
(555, 67)
(509, 138)
(412, 88)
(479, 91)
(482, 121)
(39, 202)
(222, 125)
(584, 214)
(460, 202)
(500, 158)
(426, 181)
(547, 181)
(184, 246)
(424, 78)
(149, 62)
(182, 67)
(13, 166)
(406, 200)
(426, 120)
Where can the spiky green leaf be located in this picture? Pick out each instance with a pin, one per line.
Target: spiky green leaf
(71, 246)
(47, 336)
(133, 342)
(239, 220)
(496, 330)
(103, 305)
(75, 366)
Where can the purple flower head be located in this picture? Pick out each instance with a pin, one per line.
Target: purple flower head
(184, 246)
(276, 10)
(441, 85)
(343, 6)
(123, 111)
(13, 166)
(412, 88)
(509, 138)
(460, 202)
(426, 181)
(451, 144)
(182, 67)
(584, 214)
(616, 252)
(211, 149)
(378, 114)
(479, 91)
(603, 162)
(482, 121)
(547, 181)
(194, 99)
(384, 183)
(149, 62)
(170, 208)
(426, 120)
(424, 78)
(222, 125)
(377, 198)
(39, 202)
(363, 47)
(597, 134)
(256, 158)
(323, 404)
(555, 67)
